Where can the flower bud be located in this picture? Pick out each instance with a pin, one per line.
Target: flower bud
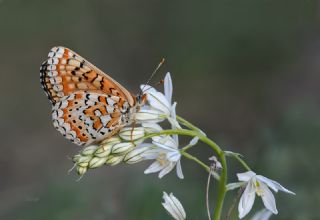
(149, 115)
(122, 148)
(106, 146)
(173, 206)
(83, 164)
(131, 134)
(135, 155)
(81, 170)
(97, 162)
(103, 151)
(89, 150)
(76, 158)
(83, 159)
(111, 140)
(114, 160)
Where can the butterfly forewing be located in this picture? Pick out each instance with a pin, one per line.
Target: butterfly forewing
(65, 72)
(87, 104)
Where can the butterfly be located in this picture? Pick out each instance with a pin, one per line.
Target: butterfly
(88, 106)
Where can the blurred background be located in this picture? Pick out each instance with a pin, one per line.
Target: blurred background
(246, 72)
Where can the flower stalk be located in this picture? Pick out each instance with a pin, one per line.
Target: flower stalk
(149, 141)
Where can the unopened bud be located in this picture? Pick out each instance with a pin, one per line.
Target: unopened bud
(89, 150)
(122, 148)
(135, 155)
(111, 140)
(148, 115)
(97, 162)
(114, 160)
(132, 134)
(83, 159)
(81, 170)
(103, 151)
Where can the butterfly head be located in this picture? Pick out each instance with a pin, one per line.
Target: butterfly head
(141, 99)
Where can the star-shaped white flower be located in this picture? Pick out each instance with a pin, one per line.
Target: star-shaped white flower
(257, 184)
(159, 105)
(166, 154)
(173, 206)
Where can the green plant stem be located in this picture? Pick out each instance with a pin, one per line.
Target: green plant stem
(187, 124)
(187, 147)
(184, 132)
(223, 177)
(242, 162)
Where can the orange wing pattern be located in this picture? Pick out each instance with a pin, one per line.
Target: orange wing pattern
(65, 72)
(88, 106)
(84, 117)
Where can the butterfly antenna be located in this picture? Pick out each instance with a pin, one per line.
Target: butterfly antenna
(153, 73)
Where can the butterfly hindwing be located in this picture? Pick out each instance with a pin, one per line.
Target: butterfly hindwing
(86, 117)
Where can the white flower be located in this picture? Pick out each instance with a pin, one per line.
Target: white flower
(160, 105)
(173, 206)
(166, 154)
(257, 184)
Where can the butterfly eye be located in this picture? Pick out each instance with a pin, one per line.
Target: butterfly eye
(141, 99)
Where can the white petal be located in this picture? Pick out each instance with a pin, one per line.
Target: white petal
(175, 137)
(173, 206)
(159, 102)
(174, 123)
(165, 142)
(160, 139)
(232, 186)
(166, 169)
(165, 146)
(273, 184)
(145, 88)
(168, 88)
(173, 119)
(246, 176)
(263, 214)
(153, 168)
(151, 154)
(179, 170)
(246, 200)
(178, 205)
(151, 127)
(173, 156)
(194, 141)
(268, 198)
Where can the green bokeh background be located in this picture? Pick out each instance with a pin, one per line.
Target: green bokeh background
(246, 72)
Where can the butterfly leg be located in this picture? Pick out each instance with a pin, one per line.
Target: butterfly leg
(131, 134)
